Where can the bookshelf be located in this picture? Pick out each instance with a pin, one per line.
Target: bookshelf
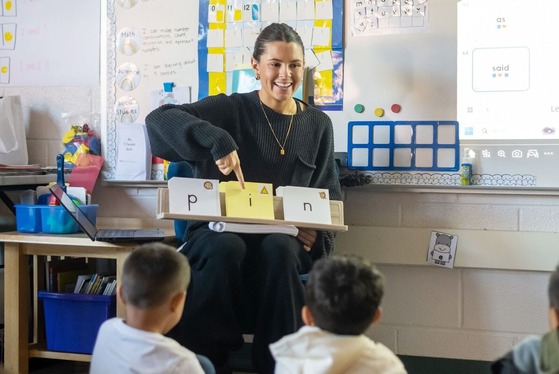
(18, 248)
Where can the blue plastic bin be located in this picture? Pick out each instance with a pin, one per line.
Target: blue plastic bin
(28, 219)
(73, 320)
(50, 219)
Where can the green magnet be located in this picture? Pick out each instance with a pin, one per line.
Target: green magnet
(359, 108)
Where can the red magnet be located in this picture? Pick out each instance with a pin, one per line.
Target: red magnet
(396, 108)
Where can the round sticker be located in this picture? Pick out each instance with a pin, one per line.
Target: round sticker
(127, 4)
(127, 76)
(128, 41)
(126, 109)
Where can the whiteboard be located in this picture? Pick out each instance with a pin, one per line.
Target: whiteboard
(49, 43)
(174, 51)
(412, 69)
(151, 54)
(416, 70)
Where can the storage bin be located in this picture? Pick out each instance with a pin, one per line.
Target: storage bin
(73, 320)
(28, 218)
(50, 219)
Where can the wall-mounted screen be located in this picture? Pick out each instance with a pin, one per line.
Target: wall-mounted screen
(508, 73)
(508, 89)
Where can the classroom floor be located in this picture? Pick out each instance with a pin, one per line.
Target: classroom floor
(67, 367)
(414, 365)
(239, 361)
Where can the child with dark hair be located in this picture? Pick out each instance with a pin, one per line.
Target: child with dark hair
(153, 289)
(536, 354)
(343, 296)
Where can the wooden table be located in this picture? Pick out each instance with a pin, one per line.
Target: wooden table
(17, 249)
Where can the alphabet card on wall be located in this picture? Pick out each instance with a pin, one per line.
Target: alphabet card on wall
(194, 196)
(442, 249)
(254, 201)
(305, 204)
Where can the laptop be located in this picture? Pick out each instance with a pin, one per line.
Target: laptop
(104, 235)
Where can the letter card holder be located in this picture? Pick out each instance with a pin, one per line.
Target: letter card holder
(336, 212)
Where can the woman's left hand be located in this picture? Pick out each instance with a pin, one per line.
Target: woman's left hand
(307, 237)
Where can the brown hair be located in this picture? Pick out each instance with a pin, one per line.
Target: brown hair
(276, 32)
(153, 273)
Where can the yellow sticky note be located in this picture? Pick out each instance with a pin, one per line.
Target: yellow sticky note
(238, 16)
(255, 201)
(219, 16)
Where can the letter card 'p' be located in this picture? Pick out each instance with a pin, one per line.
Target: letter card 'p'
(194, 196)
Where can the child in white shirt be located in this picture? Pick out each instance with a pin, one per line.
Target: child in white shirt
(342, 299)
(153, 288)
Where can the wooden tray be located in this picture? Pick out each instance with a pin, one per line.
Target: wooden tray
(336, 212)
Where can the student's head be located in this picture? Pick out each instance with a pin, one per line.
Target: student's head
(155, 274)
(278, 61)
(343, 295)
(553, 292)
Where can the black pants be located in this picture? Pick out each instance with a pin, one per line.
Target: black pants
(241, 283)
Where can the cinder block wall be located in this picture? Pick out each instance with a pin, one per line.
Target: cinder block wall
(473, 311)
(469, 312)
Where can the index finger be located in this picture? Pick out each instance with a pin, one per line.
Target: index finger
(239, 173)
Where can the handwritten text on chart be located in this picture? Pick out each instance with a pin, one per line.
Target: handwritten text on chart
(166, 69)
(156, 39)
(42, 65)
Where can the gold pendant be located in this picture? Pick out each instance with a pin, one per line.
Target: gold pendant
(282, 152)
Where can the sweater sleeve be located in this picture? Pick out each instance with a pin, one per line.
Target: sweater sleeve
(192, 132)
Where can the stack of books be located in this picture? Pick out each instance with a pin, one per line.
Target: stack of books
(95, 284)
(76, 275)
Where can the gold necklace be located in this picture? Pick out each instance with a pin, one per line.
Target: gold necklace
(282, 146)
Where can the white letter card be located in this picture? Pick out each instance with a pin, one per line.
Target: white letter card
(303, 204)
(194, 196)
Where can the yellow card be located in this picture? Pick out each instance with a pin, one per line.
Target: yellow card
(255, 201)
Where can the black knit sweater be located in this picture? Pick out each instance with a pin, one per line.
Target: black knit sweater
(213, 127)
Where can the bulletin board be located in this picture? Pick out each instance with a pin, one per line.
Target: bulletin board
(177, 51)
(49, 43)
(151, 54)
(228, 30)
(399, 63)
